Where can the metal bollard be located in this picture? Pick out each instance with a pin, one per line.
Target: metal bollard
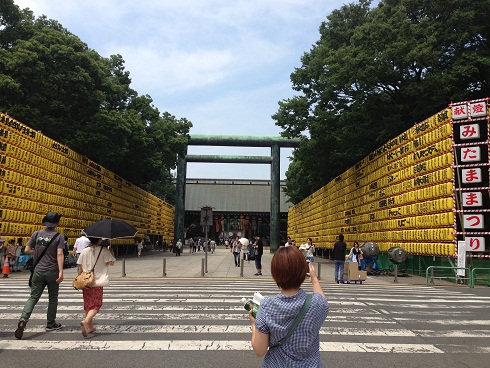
(164, 267)
(318, 274)
(123, 267)
(241, 269)
(202, 267)
(396, 273)
(206, 261)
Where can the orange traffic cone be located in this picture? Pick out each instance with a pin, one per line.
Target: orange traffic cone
(6, 267)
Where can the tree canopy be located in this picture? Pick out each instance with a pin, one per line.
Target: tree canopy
(51, 81)
(375, 72)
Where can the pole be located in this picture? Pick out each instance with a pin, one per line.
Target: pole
(206, 251)
(202, 267)
(164, 267)
(396, 274)
(123, 267)
(241, 268)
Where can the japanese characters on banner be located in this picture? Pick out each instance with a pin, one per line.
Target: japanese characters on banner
(38, 175)
(471, 144)
(423, 190)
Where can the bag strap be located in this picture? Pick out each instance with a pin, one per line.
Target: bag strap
(93, 268)
(296, 322)
(45, 249)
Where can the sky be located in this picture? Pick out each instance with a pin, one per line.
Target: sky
(222, 64)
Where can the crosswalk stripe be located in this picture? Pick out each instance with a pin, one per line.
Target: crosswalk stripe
(239, 329)
(383, 319)
(199, 345)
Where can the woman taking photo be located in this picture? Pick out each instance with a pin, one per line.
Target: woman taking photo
(98, 258)
(277, 314)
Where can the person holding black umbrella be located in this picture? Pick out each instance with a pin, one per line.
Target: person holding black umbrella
(99, 258)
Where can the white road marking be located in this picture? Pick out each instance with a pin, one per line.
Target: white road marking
(198, 345)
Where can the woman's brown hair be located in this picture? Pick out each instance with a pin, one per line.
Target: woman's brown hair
(288, 268)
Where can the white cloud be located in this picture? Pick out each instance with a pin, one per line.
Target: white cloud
(222, 64)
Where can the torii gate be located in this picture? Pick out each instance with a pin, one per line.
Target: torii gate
(276, 143)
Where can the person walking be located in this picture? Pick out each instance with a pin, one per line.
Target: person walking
(236, 248)
(259, 250)
(277, 314)
(98, 258)
(80, 244)
(178, 248)
(2, 252)
(245, 251)
(18, 253)
(139, 245)
(339, 258)
(47, 246)
(11, 251)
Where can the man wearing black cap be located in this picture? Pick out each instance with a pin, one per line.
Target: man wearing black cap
(47, 246)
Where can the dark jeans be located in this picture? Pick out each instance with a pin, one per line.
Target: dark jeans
(39, 282)
(339, 268)
(258, 262)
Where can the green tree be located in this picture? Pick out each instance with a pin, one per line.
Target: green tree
(51, 81)
(374, 73)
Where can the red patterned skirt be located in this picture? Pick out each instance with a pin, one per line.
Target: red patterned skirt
(92, 298)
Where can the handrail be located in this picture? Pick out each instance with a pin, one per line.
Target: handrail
(472, 275)
(431, 268)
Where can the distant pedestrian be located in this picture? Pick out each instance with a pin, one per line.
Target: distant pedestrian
(2, 252)
(259, 250)
(308, 249)
(139, 245)
(47, 246)
(339, 258)
(80, 244)
(178, 247)
(245, 251)
(356, 255)
(236, 248)
(11, 251)
(18, 254)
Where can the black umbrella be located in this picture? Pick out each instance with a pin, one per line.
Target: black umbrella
(110, 229)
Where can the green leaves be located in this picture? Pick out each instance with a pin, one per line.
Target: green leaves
(51, 81)
(375, 72)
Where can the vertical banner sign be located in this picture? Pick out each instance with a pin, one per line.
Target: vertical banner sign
(461, 258)
(472, 138)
